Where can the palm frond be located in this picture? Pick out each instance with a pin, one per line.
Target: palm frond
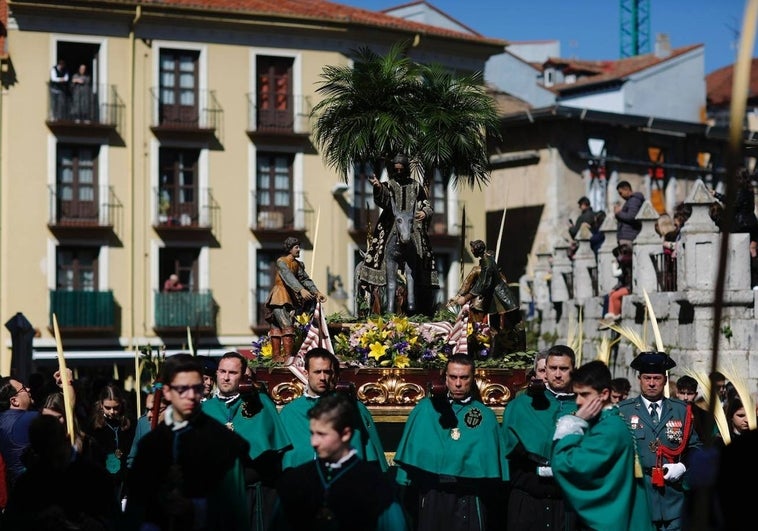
(743, 390)
(653, 321)
(630, 335)
(718, 412)
(603, 352)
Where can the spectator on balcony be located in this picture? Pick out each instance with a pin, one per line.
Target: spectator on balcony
(81, 95)
(628, 227)
(293, 292)
(59, 90)
(172, 284)
(744, 219)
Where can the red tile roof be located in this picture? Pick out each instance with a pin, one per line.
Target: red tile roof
(718, 85)
(318, 10)
(595, 72)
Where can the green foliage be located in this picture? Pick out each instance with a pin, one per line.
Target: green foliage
(389, 104)
(726, 330)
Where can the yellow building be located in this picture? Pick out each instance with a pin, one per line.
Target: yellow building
(184, 149)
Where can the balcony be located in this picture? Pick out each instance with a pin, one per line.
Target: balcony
(98, 217)
(83, 311)
(200, 119)
(96, 112)
(188, 212)
(271, 223)
(175, 311)
(290, 124)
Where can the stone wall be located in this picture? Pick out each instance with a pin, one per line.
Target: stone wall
(562, 289)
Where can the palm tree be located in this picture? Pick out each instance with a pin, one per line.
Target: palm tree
(389, 104)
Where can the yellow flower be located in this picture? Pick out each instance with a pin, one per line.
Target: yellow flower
(303, 318)
(378, 350)
(470, 328)
(401, 361)
(266, 351)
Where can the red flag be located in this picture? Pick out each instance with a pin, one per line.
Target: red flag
(317, 336)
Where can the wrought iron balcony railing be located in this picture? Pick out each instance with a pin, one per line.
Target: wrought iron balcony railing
(297, 215)
(180, 309)
(189, 208)
(291, 115)
(95, 207)
(83, 309)
(86, 105)
(201, 112)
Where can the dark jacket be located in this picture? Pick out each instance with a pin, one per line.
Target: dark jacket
(628, 227)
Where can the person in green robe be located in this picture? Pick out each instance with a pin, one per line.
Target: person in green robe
(594, 457)
(187, 473)
(322, 370)
(451, 458)
(535, 501)
(337, 491)
(253, 416)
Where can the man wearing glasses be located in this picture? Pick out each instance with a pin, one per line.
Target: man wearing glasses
(15, 417)
(16, 414)
(187, 472)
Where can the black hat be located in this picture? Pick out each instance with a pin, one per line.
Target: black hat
(210, 365)
(401, 158)
(652, 363)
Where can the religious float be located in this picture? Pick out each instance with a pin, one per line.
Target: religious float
(391, 362)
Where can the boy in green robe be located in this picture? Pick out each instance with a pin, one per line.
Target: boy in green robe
(594, 456)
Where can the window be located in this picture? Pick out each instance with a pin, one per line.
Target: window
(177, 194)
(178, 87)
(363, 197)
(438, 199)
(274, 190)
(77, 199)
(182, 262)
(76, 268)
(274, 90)
(265, 271)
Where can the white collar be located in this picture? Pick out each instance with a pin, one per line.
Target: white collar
(342, 461)
(168, 418)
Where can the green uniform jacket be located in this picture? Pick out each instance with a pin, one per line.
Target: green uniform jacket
(263, 431)
(666, 503)
(473, 448)
(596, 473)
(530, 421)
(295, 421)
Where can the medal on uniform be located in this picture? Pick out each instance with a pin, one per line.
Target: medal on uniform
(654, 446)
(455, 434)
(230, 426)
(118, 453)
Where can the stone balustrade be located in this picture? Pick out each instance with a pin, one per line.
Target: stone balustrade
(682, 292)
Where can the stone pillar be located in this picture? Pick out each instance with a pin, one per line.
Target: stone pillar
(584, 264)
(542, 271)
(605, 277)
(647, 243)
(562, 268)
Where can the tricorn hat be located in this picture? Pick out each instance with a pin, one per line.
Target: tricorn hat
(652, 363)
(209, 364)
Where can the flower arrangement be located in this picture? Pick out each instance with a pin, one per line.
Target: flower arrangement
(263, 351)
(393, 341)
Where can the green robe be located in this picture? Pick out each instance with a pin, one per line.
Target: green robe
(263, 431)
(596, 472)
(294, 418)
(530, 421)
(476, 454)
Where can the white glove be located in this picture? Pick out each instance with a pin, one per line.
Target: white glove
(545, 471)
(674, 471)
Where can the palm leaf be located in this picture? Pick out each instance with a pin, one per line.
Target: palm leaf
(603, 352)
(743, 390)
(653, 322)
(718, 412)
(630, 335)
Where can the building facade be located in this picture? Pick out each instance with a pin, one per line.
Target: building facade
(186, 150)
